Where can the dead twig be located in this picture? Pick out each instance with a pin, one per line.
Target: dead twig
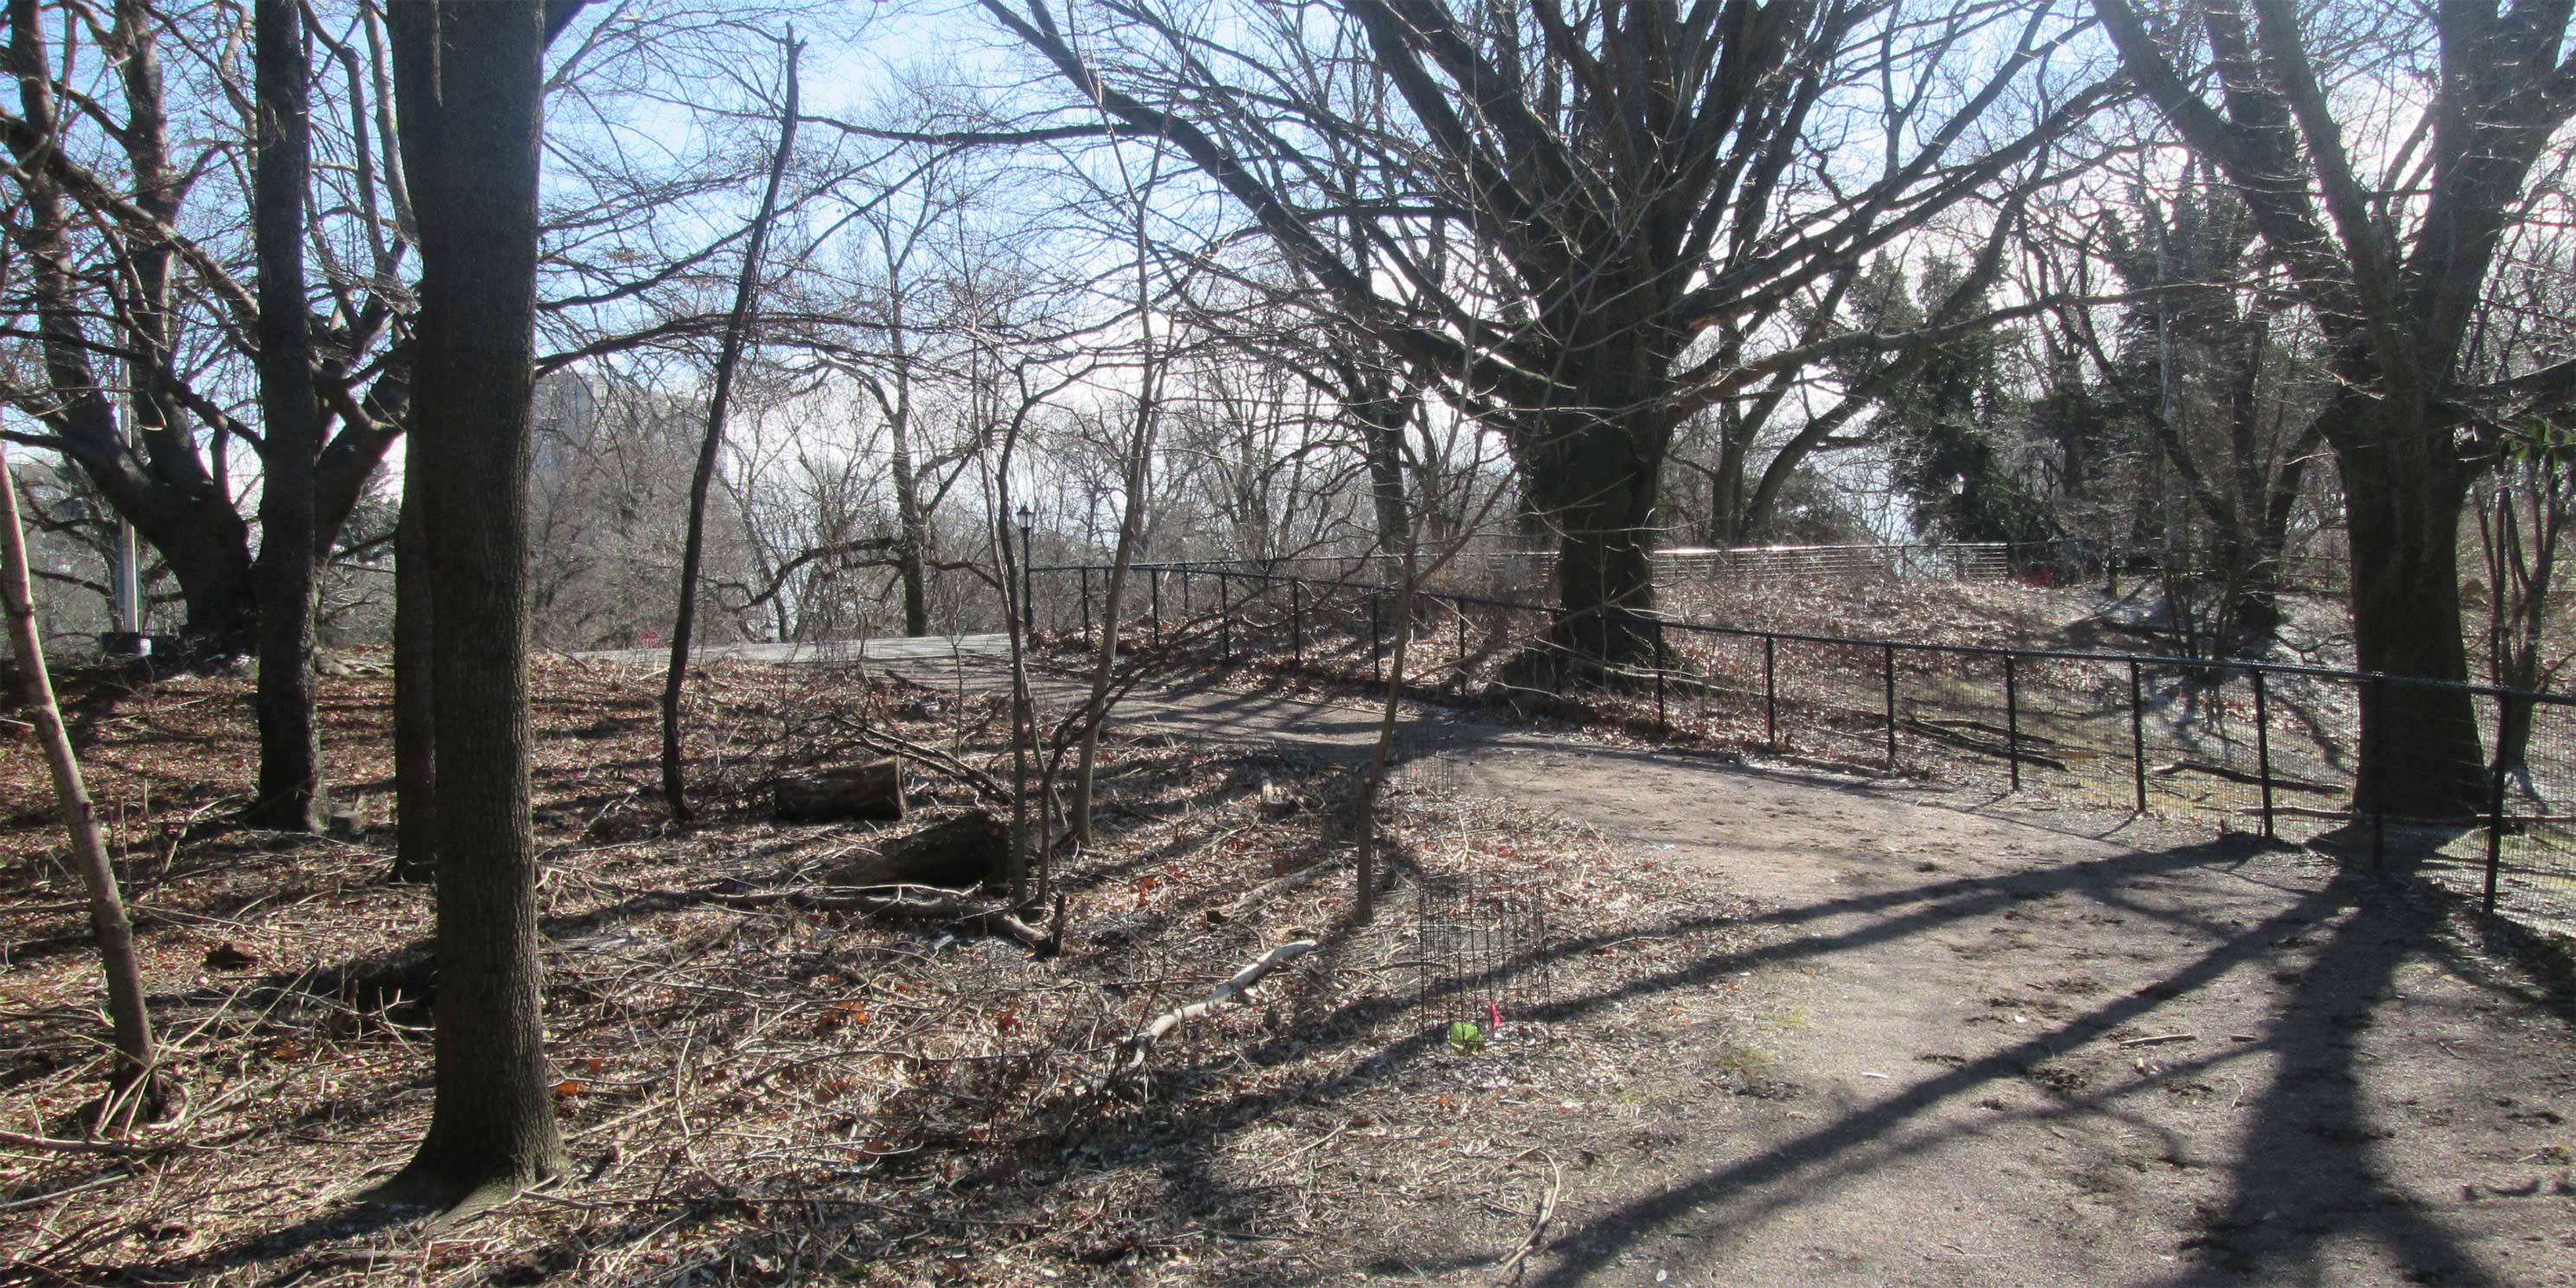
(1132, 1052)
(24, 1141)
(1513, 1265)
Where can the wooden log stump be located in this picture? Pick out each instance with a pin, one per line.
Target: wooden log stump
(961, 853)
(872, 790)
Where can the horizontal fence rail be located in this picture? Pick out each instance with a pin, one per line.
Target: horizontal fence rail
(2256, 746)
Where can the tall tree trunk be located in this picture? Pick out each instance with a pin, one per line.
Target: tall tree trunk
(912, 544)
(1373, 785)
(1592, 474)
(218, 592)
(290, 769)
(469, 77)
(415, 705)
(130, 1021)
(1383, 416)
(728, 356)
(2420, 753)
(1104, 665)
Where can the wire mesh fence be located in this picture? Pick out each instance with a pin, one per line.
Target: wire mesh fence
(1478, 938)
(2272, 749)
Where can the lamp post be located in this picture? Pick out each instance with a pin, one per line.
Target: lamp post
(124, 581)
(1028, 606)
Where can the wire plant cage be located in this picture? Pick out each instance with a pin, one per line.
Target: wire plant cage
(1479, 935)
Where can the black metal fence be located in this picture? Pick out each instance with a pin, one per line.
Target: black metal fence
(2258, 747)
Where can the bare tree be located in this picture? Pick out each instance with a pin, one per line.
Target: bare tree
(141, 324)
(2392, 268)
(130, 1073)
(290, 760)
(2522, 530)
(745, 300)
(470, 78)
(1134, 454)
(1629, 180)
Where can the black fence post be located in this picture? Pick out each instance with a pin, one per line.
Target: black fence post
(2263, 751)
(1154, 584)
(1887, 661)
(1297, 621)
(2137, 739)
(1556, 648)
(1224, 619)
(1086, 603)
(1663, 725)
(2495, 798)
(1770, 696)
(2012, 719)
(1461, 610)
(1185, 590)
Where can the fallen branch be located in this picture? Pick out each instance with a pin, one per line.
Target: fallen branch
(2301, 811)
(928, 757)
(1254, 899)
(79, 1146)
(905, 903)
(1948, 732)
(2240, 776)
(1511, 1267)
(1133, 1050)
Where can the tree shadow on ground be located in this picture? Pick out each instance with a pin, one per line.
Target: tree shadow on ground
(2304, 1175)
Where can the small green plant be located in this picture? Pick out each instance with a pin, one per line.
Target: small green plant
(1466, 1038)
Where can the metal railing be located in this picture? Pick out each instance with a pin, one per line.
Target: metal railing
(2254, 745)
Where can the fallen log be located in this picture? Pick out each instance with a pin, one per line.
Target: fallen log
(1945, 732)
(1133, 1050)
(870, 790)
(2299, 811)
(1981, 726)
(948, 908)
(2240, 776)
(972, 849)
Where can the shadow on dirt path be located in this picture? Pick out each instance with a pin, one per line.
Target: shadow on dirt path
(2035, 1045)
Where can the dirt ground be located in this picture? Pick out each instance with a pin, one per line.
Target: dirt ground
(1806, 1028)
(2025, 1046)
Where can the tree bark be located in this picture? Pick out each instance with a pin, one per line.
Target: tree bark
(415, 705)
(469, 79)
(2420, 751)
(1383, 415)
(1592, 474)
(127, 1016)
(912, 543)
(290, 755)
(728, 356)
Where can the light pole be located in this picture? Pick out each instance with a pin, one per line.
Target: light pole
(1028, 606)
(124, 582)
